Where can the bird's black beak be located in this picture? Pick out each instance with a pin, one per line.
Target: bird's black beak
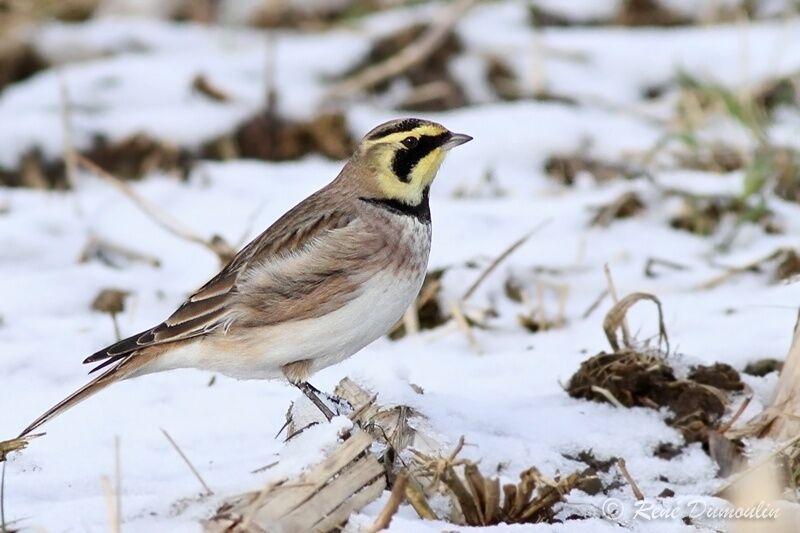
(456, 139)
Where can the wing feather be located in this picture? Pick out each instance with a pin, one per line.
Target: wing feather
(209, 307)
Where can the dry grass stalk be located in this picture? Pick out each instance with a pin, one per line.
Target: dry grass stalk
(781, 254)
(652, 262)
(536, 318)
(463, 324)
(729, 424)
(411, 55)
(111, 505)
(207, 490)
(216, 244)
(762, 462)
(201, 84)
(786, 402)
(398, 426)
(3, 524)
(605, 393)
(320, 499)
(612, 290)
(416, 498)
(781, 419)
(411, 320)
(113, 493)
(499, 259)
(763, 487)
(390, 509)
(107, 251)
(71, 165)
(595, 304)
(481, 502)
(623, 468)
(615, 319)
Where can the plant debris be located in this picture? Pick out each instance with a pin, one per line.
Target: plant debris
(432, 86)
(565, 167)
(477, 500)
(648, 13)
(642, 379)
(627, 205)
(629, 13)
(785, 166)
(266, 136)
(111, 301)
(634, 376)
(310, 16)
(531, 500)
(270, 137)
(320, 499)
(703, 215)
(715, 157)
(18, 61)
(784, 262)
(720, 375)
(502, 78)
(762, 367)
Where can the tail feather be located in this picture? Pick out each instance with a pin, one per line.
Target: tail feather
(115, 373)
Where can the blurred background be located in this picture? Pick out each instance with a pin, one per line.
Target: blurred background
(143, 142)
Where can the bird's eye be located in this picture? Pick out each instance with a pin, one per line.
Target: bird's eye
(410, 142)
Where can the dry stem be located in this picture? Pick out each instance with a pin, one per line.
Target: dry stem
(626, 334)
(409, 56)
(396, 498)
(208, 491)
(627, 475)
(499, 259)
(218, 246)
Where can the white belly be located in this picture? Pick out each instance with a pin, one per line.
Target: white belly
(325, 340)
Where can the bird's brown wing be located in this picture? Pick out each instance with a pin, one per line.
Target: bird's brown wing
(209, 308)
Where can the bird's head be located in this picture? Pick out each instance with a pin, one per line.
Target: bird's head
(401, 157)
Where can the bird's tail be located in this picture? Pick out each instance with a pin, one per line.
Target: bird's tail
(125, 368)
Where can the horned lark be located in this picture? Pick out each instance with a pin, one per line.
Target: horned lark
(329, 277)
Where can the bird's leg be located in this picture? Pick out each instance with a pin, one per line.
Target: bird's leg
(311, 393)
(298, 373)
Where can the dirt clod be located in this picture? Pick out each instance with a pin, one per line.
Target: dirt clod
(788, 266)
(644, 379)
(667, 450)
(270, 137)
(762, 367)
(565, 167)
(720, 375)
(716, 157)
(18, 61)
(265, 136)
(648, 13)
(626, 205)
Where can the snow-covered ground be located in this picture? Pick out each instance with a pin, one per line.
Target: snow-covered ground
(506, 397)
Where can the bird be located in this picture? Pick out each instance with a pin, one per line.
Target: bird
(329, 277)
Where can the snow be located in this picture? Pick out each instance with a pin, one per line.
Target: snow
(506, 398)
